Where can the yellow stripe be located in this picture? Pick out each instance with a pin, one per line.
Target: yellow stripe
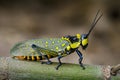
(38, 58)
(33, 58)
(20, 57)
(24, 57)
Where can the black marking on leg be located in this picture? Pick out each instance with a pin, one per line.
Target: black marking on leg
(35, 58)
(30, 58)
(40, 57)
(81, 64)
(80, 58)
(59, 57)
(36, 48)
(48, 61)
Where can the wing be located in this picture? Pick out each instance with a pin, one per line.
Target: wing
(46, 46)
(43, 51)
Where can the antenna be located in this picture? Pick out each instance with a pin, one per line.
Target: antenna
(94, 22)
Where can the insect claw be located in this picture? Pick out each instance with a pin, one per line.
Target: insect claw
(48, 62)
(67, 52)
(59, 57)
(81, 64)
(56, 68)
(83, 67)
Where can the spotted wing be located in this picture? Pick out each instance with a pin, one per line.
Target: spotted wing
(47, 46)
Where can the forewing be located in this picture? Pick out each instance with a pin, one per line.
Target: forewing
(55, 44)
(47, 46)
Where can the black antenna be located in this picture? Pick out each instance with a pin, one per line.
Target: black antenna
(94, 22)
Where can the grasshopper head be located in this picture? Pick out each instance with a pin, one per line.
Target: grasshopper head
(84, 37)
(84, 41)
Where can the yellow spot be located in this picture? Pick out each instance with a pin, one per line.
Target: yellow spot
(53, 42)
(78, 36)
(51, 39)
(68, 48)
(67, 39)
(57, 48)
(63, 44)
(46, 42)
(51, 49)
(75, 45)
(84, 42)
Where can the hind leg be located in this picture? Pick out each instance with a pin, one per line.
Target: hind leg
(48, 61)
(36, 48)
(80, 59)
(60, 63)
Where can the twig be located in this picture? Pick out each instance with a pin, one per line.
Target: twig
(115, 70)
(12, 69)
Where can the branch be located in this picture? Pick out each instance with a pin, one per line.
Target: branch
(115, 70)
(11, 69)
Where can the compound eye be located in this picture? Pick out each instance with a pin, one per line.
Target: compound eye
(74, 39)
(84, 36)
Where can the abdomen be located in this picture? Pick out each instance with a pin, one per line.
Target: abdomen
(33, 58)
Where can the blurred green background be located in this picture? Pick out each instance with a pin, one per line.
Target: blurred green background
(27, 19)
